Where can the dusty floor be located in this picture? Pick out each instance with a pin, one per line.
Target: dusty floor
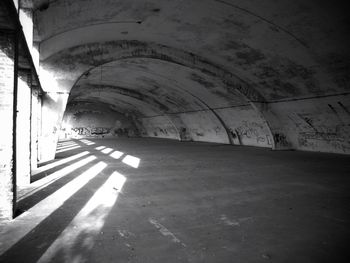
(146, 200)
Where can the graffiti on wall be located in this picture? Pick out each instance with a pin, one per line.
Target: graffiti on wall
(168, 132)
(87, 131)
(252, 130)
(313, 140)
(99, 130)
(281, 140)
(337, 138)
(330, 133)
(184, 134)
(324, 136)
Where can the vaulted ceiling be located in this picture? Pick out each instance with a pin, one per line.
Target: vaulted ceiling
(152, 58)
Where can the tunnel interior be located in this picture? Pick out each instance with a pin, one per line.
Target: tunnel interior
(242, 74)
(232, 115)
(165, 100)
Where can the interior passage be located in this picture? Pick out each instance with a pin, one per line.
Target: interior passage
(150, 131)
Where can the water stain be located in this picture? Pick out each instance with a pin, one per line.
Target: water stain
(251, 56)
(201, 80)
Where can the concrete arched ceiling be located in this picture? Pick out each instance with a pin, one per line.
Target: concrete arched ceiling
(174, 88)
(285, 45)
(202, 54)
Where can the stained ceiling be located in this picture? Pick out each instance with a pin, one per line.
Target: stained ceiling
(165, 57)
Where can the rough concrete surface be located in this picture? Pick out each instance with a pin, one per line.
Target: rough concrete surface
(282, 63)
(86, 86)
(158, 200)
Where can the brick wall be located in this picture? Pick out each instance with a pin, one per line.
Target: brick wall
(6, 126)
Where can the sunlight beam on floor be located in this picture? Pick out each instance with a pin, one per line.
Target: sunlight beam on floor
(16, 229)
(131, 161)
(87, 142)
(40, 184)
(80, 235)
(65, 143)
(68, 149)
(100, 148)
(107, 150)
(116, 154)
(66, 146)
(60, 162)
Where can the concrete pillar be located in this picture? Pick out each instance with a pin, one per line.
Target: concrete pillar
(23, 129)
(16, 3)
(53, 107)
(7, 84)
(35, 121)
(26, 19)
(35, 55)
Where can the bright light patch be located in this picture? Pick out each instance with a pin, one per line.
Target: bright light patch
(116, 154)
(118, 181)
(68, 149)
(80, 235)
(60, 162)
(66, 146)
(66, 143)
(131, 161)
(40, 184)
(48, 79)
(46, 207)
(87, 142)
(107, 150)
(100, 148)
(54, 96)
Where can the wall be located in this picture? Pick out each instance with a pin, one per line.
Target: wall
(35, 127)
(93, 123)
(315, 124)
(23, 131)
(159, 127)
(6, 114)
(247, 127)
(204, 126)
(53, 106)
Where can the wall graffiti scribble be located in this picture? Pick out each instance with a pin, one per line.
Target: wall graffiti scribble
(281, 140)
(87, 131)
(252, 130)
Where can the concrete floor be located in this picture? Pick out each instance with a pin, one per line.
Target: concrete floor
(185, 202)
